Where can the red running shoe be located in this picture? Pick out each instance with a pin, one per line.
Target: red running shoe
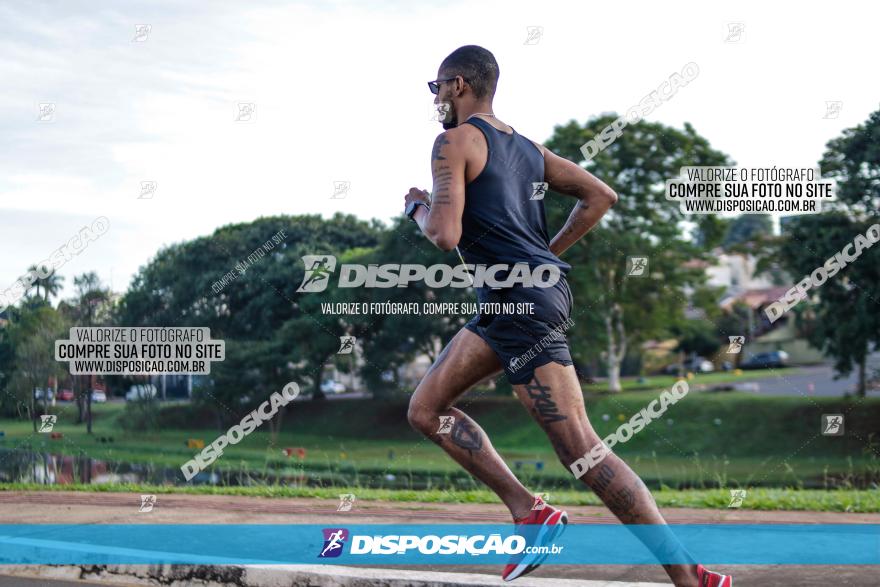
(709, 579)
(541, 527)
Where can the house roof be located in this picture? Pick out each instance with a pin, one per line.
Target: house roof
(755, 298)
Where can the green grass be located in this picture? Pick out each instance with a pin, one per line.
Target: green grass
(841, 500)
(726, 439)
(653, 382)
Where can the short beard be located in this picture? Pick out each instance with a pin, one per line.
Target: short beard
(451, 118)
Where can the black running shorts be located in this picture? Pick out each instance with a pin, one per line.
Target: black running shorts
(523, 342)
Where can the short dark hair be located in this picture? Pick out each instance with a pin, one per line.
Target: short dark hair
(476, 65)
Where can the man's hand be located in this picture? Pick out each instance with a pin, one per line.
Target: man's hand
(416, 195)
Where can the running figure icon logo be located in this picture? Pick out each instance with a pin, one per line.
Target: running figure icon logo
(47, 422)
(636, 266)
(346, 502)
(735, 32)
(441, 111)
(245, 112)
(736, 498)
(142, 33)
(539, 189)
(346, 345)
(534, 34)
(832, 424)
(147, 503)
(736, 344)
(446, 423)
(334, 541)
(340, 189)
(318, 271)
(148, 190)
(832, 109)
(46, 112)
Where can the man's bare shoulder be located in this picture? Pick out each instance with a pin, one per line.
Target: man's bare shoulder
(463, 137)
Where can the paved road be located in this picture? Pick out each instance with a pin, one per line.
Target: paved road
(22, 582)
(806, 381)
(122, 508)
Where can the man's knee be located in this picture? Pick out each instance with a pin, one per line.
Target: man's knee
(419, 415)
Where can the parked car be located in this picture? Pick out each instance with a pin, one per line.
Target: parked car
(98, 396)
(771, 360)
(699, 365)
(331, 386)
(144, 391)
(695, 365)
(65, 395)
(41, 394)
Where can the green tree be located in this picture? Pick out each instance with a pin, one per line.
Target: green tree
(33, 336)
(50, 285)
(614, 311)
(242, 283)
(90, 306)
(845, 320)
(746, 228)
(391, 341)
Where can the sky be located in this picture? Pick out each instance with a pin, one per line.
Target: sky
(153, 92)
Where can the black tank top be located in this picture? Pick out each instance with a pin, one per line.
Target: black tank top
(503, 220)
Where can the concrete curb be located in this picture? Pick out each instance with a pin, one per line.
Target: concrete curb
(282, 576)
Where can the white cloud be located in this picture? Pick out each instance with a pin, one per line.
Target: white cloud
(340, 95)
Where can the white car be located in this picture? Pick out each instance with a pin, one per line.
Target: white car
(135, 392)
(48, 394)
(331, 386)
(98, 396)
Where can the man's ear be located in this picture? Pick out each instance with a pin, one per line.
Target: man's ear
(459, 85)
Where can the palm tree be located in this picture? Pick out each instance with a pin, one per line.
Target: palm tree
(50, 285)
(83, 310)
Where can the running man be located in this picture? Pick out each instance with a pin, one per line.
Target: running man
(483, 204)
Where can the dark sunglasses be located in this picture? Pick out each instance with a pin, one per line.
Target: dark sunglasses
(434, 86)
